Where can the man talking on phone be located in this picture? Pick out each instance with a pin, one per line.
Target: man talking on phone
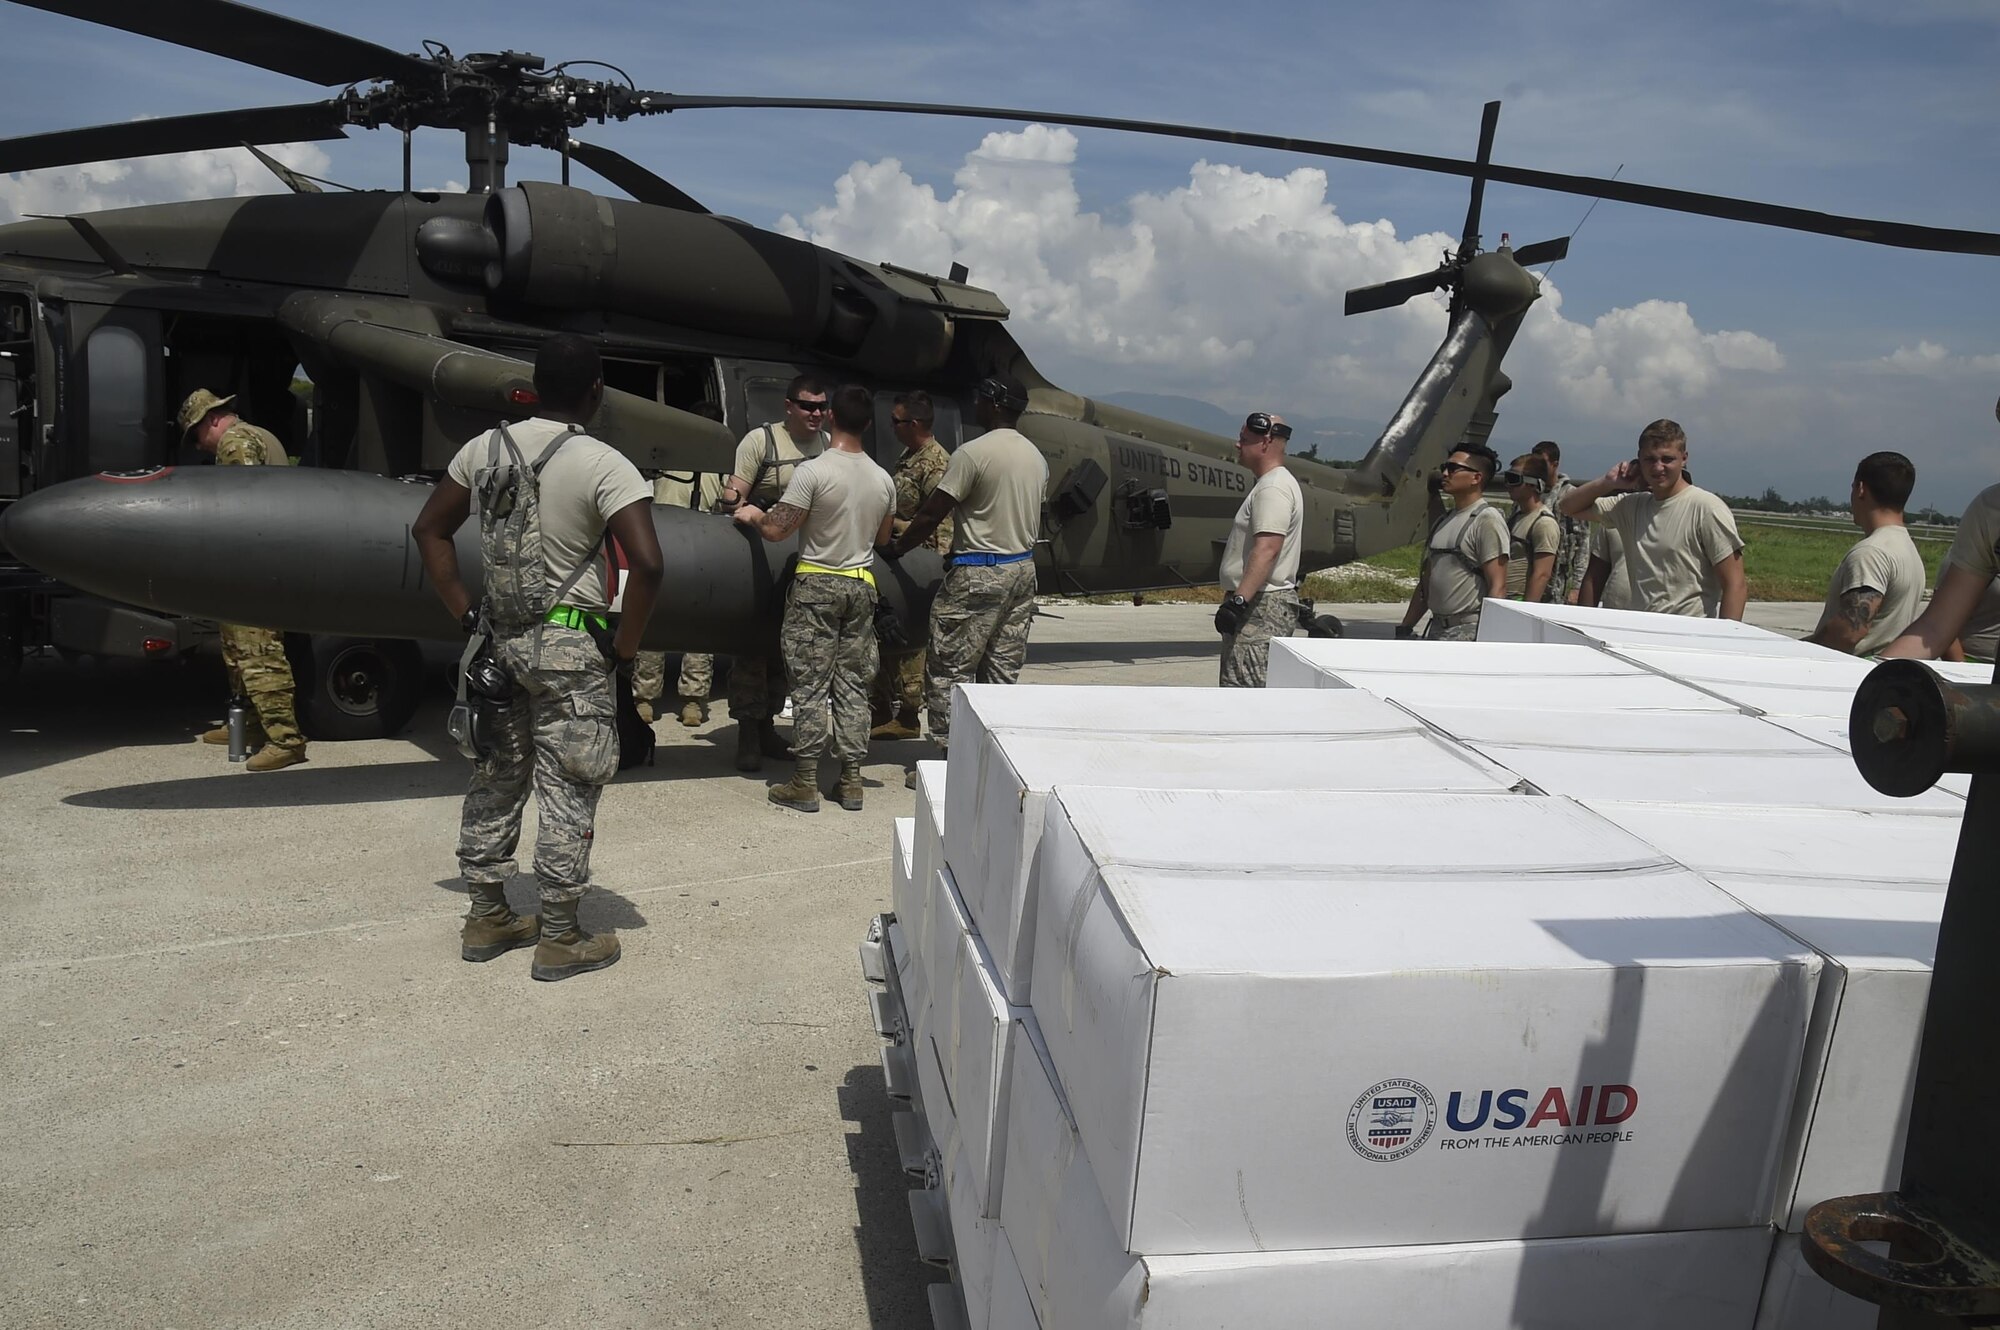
(1681, 548)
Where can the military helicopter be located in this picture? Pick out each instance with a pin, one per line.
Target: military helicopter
(413, 314)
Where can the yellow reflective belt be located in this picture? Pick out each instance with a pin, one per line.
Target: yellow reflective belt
(858, 574)
(569, 616)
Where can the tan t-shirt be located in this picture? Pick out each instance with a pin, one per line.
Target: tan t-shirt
(844, 496)
(1273, 507)
(1460, 546)
(1608, 545)
(1671, 548)
(1886, 561)
(1531, 534)
(755, 449)
(685, 489)
(997, 481)
(584, 484)
(1974, 549)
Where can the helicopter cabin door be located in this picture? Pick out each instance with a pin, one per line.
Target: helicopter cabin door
(118, 417)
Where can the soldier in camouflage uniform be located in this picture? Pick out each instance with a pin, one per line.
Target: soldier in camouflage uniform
(1573, 554)
(697, 675)
(1259, 572)
(840, 503)
(698, 492)
(980, 616)
(899, 684)
(254, 657)
(548, 494)
(766, 459)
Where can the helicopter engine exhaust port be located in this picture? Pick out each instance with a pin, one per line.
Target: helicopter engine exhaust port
(552, 247)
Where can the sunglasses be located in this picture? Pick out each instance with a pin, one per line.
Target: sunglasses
(1520, 478)
(1260, 422)
(808, 407)
(1447, 468)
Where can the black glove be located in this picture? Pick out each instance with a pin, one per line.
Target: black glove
(1231, 615)
(606, 638)
(889, 628)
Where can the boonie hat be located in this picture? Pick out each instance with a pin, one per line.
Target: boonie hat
(198, 404)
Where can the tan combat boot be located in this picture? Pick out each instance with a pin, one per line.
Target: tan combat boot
(645, 710)
(749, 752)
(896, 728)
(253, 736)
(272, 757)
(565, 949)
(491, 929)
(693, 713)
(802, 791)
(849, 790)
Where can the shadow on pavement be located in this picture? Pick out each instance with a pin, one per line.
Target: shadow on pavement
(892, 1277)
(603, 908)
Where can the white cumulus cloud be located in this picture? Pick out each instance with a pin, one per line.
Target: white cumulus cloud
(1929, 360)
(95, 186)
(1230, 285)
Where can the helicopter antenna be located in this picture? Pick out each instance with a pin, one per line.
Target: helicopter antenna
(1579, 223)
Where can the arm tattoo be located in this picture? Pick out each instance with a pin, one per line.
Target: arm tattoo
(1859, 607)
(782, 520)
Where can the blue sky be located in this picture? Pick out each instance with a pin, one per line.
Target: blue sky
(1787, 356)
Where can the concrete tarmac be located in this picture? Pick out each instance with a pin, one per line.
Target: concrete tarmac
(248, 1081)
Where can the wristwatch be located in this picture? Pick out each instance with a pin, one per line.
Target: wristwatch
(468, 622)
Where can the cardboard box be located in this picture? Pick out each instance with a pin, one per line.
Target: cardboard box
(1517, 621)
(1561, 678)
(1012, 1308)
(978, 1048)
(1695, 757)
(926, 857)
(1822, 685)
(1797, 1299)
(1352, 1026)
(1865, 891)
(973, 1239)
(903, 898)
(950, 928)
(1056, 1227)
(1010, 746)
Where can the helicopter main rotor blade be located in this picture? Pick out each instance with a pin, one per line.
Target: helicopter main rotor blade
(1489, 120)
(181, 133)
(253, 36)
(1386, 295)
(1903, 235)
(1542, 251)
(633, 178)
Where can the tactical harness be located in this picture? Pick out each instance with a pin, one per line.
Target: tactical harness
(515, 596)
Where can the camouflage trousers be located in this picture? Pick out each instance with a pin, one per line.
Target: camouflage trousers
(979, 633)
(258, 670)
(756, 687)
(899, 688)
(1459, 628)
(828, 639)
(1246, 654)
(557, 734)
(649, 676)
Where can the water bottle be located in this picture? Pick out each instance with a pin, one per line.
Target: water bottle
(239, 728)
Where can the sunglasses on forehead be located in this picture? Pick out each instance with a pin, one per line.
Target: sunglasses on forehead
(1260, 422)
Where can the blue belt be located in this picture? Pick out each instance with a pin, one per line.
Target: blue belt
(982, 559)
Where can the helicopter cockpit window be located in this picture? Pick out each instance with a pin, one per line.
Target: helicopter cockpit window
(116, 359)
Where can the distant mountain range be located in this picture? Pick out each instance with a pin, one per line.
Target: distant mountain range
(1337, 437)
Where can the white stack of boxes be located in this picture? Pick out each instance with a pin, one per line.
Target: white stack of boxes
(1857, 878)
(1526, 983)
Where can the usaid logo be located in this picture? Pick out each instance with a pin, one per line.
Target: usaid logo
(1391, 1120)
